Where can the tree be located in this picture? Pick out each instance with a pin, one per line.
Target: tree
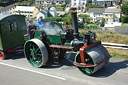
(105, 5)
(53, 19)
(67, 19)
(102, 22)
(68, 1)
(89, 1)
(124, 9)
(86, 18)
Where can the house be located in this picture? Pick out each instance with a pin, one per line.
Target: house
(110, 16)
(80, 4)
(44, 14)
(43, 2)
(7, 10)
(107, 2)
(28, 11)
(59, 2)
(53, 12)
(47, 12)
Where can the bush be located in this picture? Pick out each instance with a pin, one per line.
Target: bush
(60, 8)
(53, 19)
(93, 6)
(124, 19)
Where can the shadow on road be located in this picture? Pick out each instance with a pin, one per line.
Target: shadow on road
(67, 61)
(111, 68)
(14, 56)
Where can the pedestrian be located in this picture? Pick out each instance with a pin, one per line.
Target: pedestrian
(31, 29)
(40, 22)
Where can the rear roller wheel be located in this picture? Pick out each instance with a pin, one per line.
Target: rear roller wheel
(36, 52)
(88, 60)
(2, 55)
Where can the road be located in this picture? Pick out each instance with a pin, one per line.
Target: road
(17, 71)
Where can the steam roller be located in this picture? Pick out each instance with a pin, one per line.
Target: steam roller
(92, 58)
(52, 42)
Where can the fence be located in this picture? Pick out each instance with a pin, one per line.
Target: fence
(115, 45)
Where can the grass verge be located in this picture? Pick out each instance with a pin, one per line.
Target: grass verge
(112, 38)
(125, 24)
(108, 37)
(118, 53)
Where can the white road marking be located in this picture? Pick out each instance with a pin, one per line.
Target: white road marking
(33, 71)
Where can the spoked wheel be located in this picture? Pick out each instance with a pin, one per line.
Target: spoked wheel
(2, 55)
(88, 60)
(36, 52)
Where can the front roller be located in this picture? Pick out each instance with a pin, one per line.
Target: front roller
(94, 58)
(36, 52)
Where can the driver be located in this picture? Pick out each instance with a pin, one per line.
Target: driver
(40, 22)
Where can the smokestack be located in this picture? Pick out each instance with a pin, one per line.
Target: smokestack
(74, 21)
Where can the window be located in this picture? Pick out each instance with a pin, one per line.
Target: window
(12, 25)
(31, 16)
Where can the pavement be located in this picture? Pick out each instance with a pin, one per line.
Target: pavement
(17, 71)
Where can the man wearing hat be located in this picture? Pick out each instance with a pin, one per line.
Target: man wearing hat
(40, 22)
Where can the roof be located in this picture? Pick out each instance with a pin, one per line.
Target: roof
(4, 16)
(99, 18)
(112, 10)
(103, 10)
(96, 10)
(52, 8)
(43, 12)
(106, 0)
(25, 8)
(7, 7)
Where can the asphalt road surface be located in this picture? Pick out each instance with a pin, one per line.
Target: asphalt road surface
(17, 71)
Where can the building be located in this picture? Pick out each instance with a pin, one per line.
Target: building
(80, 4)
(47, 12)
(7, 10)
(29, 12)
(44, 14)
(107, 2)
(110, 16)
(59, 2)
(43, 2)
(53, 12)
